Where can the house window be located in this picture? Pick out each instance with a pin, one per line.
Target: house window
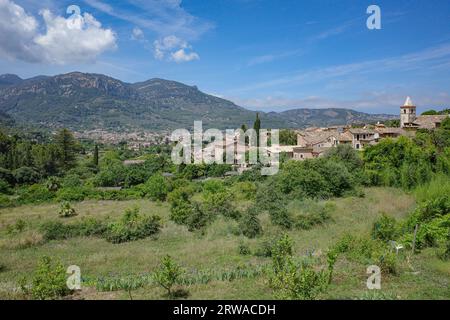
(357, 146)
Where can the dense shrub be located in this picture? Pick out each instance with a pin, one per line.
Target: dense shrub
(346, 155)
(74, 194)
(156, 188)
(132, 226)
(292, 281)
(368, 251)
(245, 190)
(315, 214)
(71, 181)
(5, 187)
(5, 201)
(213, 186)
(244, 249)
(197, 218)
(7, 176)
(280, 216)
(220, 203)
(269, 196)
(26, 175)
(56, 230)
(35, 194)
(48, 281)
(385, 228)
(249, 223)
(113, 174)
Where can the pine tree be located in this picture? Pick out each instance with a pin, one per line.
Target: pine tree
(68, 148)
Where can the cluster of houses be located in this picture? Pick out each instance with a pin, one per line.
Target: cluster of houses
(314, 142)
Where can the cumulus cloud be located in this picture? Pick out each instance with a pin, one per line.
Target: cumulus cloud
(137, 34)
(70, 40)
(182, 56)
(174, 49)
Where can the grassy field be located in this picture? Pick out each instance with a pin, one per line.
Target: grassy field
(424, 276)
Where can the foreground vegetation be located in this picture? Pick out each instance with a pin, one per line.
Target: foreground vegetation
(154, 230)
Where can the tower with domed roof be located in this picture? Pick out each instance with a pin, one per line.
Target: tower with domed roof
(407, 113)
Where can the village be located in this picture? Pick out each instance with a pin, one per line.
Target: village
(314, 142)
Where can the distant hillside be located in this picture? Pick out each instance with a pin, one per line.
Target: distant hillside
(83, 101)
(330, 117)
(7, 80)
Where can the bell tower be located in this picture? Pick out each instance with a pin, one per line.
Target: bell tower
(407, 113)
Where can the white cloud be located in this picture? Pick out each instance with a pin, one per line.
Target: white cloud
(65, 41)
(174, 49)
(17, 30)
(137, 34)
(182, 56)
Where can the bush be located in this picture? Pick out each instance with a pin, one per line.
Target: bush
(35, 194)
(56, 230)
(368, 251)
(249, 223)
(66, 210)
(245, 190)
(168, 275)
(444, 253)
(281, 217)
(244, 249)
(49, 281)
(385, 228)
(290, 281)
(318, 214)
(53, 184)
(156, 188)
(16, 227)
(26, 175)
(7, 176)
(219, 203)
(5, 188)
(213, 186)
(265, 248)
(197, 218)
(5, 201)
(75, 194)
(71, 181)
(132, 226)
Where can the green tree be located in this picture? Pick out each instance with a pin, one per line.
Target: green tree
(156, 187)
(95, 159)
(292, 281)
(288, 137)
(68, 148)
(249, 224)
(49, 280)
(257, 127)
(168, 274)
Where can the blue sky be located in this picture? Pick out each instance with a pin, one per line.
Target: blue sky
(268, 55)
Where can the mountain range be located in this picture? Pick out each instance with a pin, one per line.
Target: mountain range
(84, 101)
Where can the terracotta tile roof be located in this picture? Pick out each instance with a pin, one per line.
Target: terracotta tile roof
(429, 122)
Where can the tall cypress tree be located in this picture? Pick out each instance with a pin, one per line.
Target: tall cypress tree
(257, 127)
